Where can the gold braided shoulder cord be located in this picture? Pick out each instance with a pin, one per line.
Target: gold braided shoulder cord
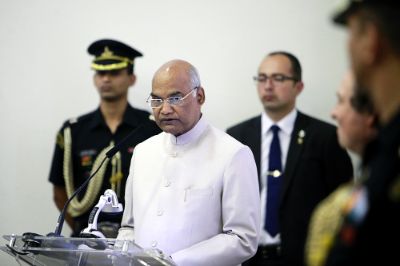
(77, 207)
(325, 224)
(116, 174)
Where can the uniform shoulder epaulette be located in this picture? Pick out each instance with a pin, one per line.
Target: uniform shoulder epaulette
(69, 122)
(72, 120)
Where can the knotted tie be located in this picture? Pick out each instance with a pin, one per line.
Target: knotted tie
(273, 183)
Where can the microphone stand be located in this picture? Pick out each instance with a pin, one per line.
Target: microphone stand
(61, 217)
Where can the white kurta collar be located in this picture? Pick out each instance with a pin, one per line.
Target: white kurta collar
(189, 136)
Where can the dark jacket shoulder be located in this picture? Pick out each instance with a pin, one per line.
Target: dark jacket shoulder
(79, 120)
(237, 130)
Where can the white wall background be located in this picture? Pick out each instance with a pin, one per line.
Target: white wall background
(45, 76)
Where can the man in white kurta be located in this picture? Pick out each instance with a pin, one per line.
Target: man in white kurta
(193, 195)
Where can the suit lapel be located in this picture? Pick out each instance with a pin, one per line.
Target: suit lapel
(253, 135)
(299, 136)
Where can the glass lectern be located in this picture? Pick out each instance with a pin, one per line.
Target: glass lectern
(54, 251)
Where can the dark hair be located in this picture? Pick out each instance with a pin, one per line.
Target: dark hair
(361, 101)
(296, 67)
(130, 68)
(386, 18)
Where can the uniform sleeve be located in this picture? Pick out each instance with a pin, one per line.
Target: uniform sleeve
(56, 169)
(240, 218)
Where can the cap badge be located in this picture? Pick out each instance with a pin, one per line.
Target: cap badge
(107, 52)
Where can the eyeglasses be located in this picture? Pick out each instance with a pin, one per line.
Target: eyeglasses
(173, 100)
(275, 78)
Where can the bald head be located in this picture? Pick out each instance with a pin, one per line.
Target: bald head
(180, 69)
(177, 84)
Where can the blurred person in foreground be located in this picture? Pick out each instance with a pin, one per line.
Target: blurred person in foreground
(371, 220)
(357, 126)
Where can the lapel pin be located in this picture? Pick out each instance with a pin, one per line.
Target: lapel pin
(300, 136)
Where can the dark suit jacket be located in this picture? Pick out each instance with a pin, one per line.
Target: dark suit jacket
(315, 166)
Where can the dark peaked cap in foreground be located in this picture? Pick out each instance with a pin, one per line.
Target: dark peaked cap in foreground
(111, 55)
(348, 7)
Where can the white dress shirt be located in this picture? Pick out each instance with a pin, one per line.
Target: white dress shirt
(195, 197)
(286, 126)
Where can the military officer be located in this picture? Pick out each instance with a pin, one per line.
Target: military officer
(82, 142)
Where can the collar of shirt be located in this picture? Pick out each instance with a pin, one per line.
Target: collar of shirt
(189, 136)
(128, 118)
(286, 124)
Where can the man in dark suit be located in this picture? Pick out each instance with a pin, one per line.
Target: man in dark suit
(310, 163)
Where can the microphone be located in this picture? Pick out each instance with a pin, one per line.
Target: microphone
(108, 203)
(146, 130)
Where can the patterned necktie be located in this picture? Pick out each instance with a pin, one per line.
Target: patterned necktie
(273, 183)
